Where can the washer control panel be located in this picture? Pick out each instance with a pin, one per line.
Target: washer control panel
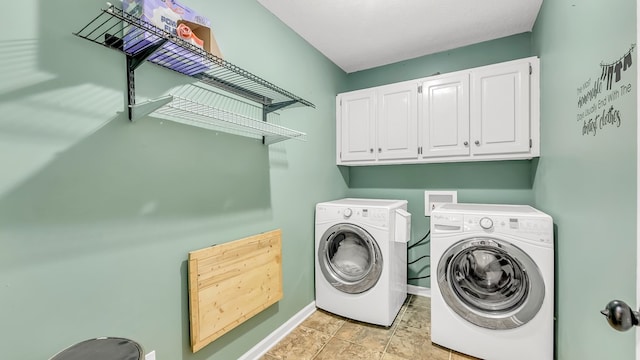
(534, 229)
(539, 230)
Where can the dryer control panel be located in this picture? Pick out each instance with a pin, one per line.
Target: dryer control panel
(370, 216)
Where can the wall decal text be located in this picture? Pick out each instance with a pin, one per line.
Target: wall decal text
(597, 96)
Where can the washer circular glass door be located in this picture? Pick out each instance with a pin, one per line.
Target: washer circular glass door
(350, 258)
(491, 283)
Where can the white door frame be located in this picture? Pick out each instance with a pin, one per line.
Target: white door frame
(638, 189)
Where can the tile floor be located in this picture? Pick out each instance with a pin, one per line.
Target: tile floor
(325, 336)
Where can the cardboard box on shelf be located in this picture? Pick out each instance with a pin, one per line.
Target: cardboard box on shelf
(168, 15)
(205, 34)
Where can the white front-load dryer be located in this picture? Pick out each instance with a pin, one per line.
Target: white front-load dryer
(492, 287)
(361, 258)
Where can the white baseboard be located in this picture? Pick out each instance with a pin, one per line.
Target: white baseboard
(418, 290)
(278, 334)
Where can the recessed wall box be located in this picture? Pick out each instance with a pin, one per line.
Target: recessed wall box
(433, 199)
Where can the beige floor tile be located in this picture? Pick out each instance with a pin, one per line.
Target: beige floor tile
(370, 336)
(417, 317)
(338, 349)
(302, 343)
(415, 344)
(324, 321)
(325, 336)
(388, 356)
(419, 301)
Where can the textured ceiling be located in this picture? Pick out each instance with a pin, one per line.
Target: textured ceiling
(362, 34)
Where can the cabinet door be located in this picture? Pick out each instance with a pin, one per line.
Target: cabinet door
(398, 121)
(500, 109)
(445, 116)
(356, 126)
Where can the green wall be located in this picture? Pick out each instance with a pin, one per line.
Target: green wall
(97, 215)
(588, 182)
(502, 182)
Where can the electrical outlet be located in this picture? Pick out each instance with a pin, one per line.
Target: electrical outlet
(433, 199)
(150, 356)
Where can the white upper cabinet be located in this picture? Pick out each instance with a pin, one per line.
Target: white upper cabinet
(378, 124)
(486, 113)
(398, 121)
(444, 116)
(356, 141)
(500, 109)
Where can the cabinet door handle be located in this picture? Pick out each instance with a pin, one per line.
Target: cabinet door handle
(466, 143)
(379, 150)
(371, 150)
(477, 142)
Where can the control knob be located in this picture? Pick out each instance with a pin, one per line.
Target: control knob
(348, 212)
(486, 223)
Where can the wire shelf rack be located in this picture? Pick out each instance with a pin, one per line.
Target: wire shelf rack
(141, 41)
(195, 106)
(121, 31)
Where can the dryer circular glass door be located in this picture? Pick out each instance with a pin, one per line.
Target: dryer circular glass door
(350, 258)
(490, 283)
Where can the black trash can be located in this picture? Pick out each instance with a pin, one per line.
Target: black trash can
(104, 348)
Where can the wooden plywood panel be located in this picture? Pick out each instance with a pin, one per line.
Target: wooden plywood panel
(232, 282)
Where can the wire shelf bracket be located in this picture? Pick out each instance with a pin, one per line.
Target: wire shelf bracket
(147, 107)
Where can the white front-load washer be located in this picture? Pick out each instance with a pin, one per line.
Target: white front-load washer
(361, 258)
(492, 287)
